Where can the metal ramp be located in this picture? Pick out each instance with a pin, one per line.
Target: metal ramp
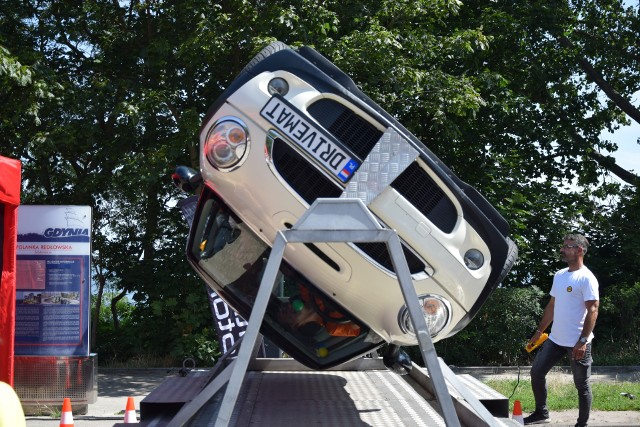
(298, 397)
(282, 392)
(236, 395)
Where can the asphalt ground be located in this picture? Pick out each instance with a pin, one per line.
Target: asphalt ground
(116, 385)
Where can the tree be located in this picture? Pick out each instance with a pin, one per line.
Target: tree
(487, 342)
(574, 64)
(108, 138)
(512, 96)
(132, 81)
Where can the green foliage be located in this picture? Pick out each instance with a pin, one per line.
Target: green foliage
(202, 347)
(618, 268)
(116, 344)
(499, 332)
(618, 330)
(562, 395)
(12, 70)
(103, 99)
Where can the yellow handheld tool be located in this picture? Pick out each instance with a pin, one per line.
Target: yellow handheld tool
(530, 347)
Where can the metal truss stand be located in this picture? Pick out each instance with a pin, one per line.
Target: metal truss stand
(333, 220)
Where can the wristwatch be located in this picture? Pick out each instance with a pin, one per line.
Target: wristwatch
(583, 340)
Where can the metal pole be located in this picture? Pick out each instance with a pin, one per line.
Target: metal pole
(252, 332)
(422, 331)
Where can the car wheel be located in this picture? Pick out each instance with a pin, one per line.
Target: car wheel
(512, 256)
(264, 53)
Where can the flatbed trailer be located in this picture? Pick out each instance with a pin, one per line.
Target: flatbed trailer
(283, 393)
(247, 391)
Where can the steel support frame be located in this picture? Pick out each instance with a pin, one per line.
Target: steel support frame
(327, 221)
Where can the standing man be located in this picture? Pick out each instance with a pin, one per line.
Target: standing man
(573, 309)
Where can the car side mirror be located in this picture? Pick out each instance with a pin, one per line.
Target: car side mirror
(187, 179)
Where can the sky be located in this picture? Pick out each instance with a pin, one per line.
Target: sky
(628, 154)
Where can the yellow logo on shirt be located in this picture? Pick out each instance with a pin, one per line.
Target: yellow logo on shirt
(569, 289)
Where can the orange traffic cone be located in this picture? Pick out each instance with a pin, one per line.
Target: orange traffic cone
(67, 416)
(517, 412)
(130, 412)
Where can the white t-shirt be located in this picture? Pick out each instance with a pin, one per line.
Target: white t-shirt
(571, 289)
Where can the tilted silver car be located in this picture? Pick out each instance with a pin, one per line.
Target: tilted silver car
(292, 128)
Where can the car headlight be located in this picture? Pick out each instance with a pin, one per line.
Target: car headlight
(226, 143)
(436, 311)
(473, 259)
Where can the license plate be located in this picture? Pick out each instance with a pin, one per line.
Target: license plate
(322, 147)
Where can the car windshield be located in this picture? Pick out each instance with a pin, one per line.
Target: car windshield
(231, 258)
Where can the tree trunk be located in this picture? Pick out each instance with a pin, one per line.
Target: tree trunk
(114, 309)
(96, 312)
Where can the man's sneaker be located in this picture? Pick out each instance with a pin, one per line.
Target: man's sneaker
(538, 417)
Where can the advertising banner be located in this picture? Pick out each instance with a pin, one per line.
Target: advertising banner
(53, 281)
(229, 325)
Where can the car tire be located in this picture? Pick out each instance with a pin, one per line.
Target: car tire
(512, 256)
(263, 54)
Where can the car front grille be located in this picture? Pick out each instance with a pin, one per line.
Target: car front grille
(310, 184)
(350, 129)
(296, 170)
(360, 137)
(423, 192)
(380, 254)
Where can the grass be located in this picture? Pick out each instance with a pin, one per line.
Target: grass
(562, 395)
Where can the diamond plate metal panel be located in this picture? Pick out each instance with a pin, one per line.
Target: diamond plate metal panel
(388, 159)
(331, 398)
